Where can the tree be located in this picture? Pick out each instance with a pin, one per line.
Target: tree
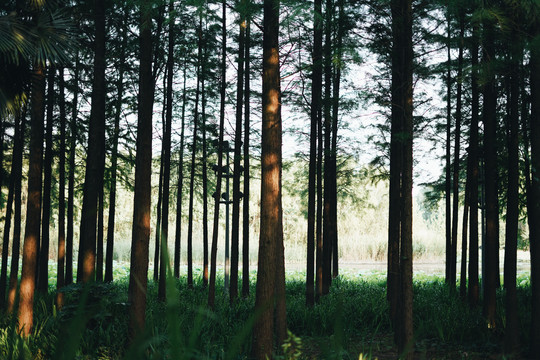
(271, 267)
(138, 277)
(401, 163)
(60, 272)
(315, 114)
(245, 206)
(95, 161)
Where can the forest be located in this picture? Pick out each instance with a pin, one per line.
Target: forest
(255, 179)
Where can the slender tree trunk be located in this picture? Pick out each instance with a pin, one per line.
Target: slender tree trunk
(457, 137)
(223, 85)
(178, 230)
(95, 162)
(465, 224)
(448, 167)
(15, 164)
(17, 176)
(99, 243)
(245, 206)
(319, 222)
(270, 274)
(33, 204)
(490, 156)
(533, 197)
(138, 278)
(333, 151)
(157, 240)
(204, 172)
(43, 255)
(512, 329)
(60, 272)
(193, 162)
(71, 176)
(164, 264)
(327, 231)
(474, 291)
(109, 256)
(316, 91)
(235, 236)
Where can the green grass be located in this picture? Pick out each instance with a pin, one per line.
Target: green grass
(351, 320)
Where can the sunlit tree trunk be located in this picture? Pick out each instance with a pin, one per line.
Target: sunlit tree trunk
(270, 274)
(33, 204)
(138, 278)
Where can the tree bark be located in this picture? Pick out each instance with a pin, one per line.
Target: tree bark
(33, 204)
(448, 167)
(95, 161)
(138, 278)
(245, 206)
(316, 92)
(60, 272)
(270, 274)
(235, 235)
(157, 239)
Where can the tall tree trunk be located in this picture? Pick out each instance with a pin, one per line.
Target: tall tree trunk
(223, 86)
(490, 156)
(178, 230)
(71, 176)
(138, 278)
(33, 204)
(164, 263)
(193, 160)
(512, 210)
(43, 255)
(95, 162)
(16, 164)
(333, 150)
(17, 176)
(245, 206)
(474, 291)
(204, 171)
(109, 255)
(327, 232)
(319, 220)
(533, 196)
(448, 167)
(60, 271)
(402, 143)
(316, 92)
(457, 137)
(157, 241)
(235, 236)
(271, 265)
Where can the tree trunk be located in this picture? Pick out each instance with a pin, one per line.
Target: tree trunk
(490, 156)
(17, 178)
(245, 206)
(512, 329)
(204, 171)
(99, 243)
(223, 85)
(138, 278)
(60, 272)
(114, 159)
(193, 162)
(316, 91)
(448, 167)
(157, 240)
(402, 143)
(71, 176)
(474, 291)
(271, 266)
(43, 255)
(33, 204)
(178, 230)
(16, 165)
(235, 235)
(533, 197)
(95, 161)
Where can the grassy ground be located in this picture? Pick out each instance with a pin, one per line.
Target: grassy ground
(350, 322)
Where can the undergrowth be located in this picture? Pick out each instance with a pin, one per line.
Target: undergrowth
(353, 319)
